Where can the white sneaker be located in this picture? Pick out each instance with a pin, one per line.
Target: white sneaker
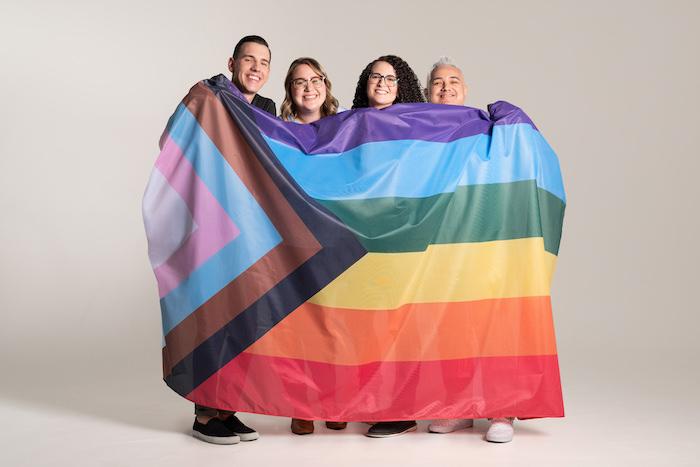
(449, 425)
(500, 431)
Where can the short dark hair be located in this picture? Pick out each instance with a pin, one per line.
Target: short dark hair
(256, 39)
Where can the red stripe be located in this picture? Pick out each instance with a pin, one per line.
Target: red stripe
(524, 387)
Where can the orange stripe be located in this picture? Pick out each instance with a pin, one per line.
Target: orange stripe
(414, 332)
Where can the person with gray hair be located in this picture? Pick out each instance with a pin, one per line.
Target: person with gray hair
(445, 83)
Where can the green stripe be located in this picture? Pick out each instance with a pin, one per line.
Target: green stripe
(475, 213)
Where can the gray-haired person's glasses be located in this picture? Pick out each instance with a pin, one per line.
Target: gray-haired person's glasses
(390, 80)
(316, 82)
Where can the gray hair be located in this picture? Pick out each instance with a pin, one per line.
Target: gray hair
(443, 60)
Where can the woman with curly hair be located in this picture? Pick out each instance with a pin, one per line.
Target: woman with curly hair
(307, 92)
(385, 81)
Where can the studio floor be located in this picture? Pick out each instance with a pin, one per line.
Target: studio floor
(614, 417)
(86, 89)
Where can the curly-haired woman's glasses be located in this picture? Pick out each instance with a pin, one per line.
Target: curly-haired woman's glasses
(390, 80)
(316, 82)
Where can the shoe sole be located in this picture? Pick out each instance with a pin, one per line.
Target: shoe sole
(374, 435)
(500, 438)
(500, 441)
(221, 440)
(248, 436)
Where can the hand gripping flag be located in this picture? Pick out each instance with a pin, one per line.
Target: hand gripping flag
(374, 265)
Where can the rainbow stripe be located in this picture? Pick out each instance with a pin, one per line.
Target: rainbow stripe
(375, 265)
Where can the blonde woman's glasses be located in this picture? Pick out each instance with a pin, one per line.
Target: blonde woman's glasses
(316, 82)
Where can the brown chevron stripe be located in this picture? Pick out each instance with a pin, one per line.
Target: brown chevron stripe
(297, 246)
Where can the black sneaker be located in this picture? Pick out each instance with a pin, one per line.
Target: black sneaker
(246, 433)
(389, 429)
(214, 431)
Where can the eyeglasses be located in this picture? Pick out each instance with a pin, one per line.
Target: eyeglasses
(390, 80)
(316, 82)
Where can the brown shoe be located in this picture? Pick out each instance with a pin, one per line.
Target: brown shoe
(302, 427)
(336, 425)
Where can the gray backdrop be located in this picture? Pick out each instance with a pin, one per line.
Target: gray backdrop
(87, 88)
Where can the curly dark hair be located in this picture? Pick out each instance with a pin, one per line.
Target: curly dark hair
(409, 88)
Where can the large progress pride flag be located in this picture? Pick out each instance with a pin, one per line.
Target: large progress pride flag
(374, 265)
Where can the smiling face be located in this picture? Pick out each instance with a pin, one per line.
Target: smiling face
(447, 86)
(250, 68)
(307, 97)
(379, 94)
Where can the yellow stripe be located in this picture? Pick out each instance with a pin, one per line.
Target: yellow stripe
(443, 273)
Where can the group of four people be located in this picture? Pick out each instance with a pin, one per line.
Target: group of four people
(385, 81)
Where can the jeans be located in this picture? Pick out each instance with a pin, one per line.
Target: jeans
(210, 411)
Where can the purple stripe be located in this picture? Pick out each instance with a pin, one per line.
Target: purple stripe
(505, 113)
(424, 122)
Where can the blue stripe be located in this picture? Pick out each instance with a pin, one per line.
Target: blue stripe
(417, 169)
(257, 237)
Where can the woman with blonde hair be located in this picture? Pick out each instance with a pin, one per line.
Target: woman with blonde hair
(307, 98)
(307, 92)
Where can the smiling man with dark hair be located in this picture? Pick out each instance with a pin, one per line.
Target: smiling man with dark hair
(250, 68)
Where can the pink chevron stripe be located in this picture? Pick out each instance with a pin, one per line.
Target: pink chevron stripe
(483, 387)
(214, 230)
